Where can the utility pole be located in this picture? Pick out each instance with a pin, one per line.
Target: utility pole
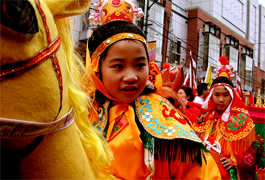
(147, 15)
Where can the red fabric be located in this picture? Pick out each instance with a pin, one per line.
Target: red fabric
(257, 114)
(246, 163)
(193, 111)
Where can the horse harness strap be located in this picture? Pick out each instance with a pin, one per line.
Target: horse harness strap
(8, 71)
(20, 129)
(28, 64)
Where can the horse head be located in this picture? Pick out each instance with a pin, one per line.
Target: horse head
(43, 112)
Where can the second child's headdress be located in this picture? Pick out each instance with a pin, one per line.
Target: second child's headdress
(224, 69)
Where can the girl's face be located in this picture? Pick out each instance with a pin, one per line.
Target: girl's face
(221, 98)
(182, 94)
(125, 70)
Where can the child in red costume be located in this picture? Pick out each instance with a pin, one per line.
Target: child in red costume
(227, 129)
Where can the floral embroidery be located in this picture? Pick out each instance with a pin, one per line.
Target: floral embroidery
(101, 119)
(100, 123)
(163, 121)
(117, 14)
(169, 130)
(249, 160)
(147, 116)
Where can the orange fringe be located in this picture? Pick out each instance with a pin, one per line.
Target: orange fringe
(238, 146)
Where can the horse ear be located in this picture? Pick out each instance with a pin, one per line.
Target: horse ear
(179, 80)
(67, 8)
(166, 76)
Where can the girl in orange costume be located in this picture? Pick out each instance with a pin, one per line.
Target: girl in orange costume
(148, 136)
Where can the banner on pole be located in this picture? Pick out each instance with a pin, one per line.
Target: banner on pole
(208, 78)
(152, 51)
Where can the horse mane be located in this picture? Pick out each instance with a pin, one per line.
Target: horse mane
(93, 141)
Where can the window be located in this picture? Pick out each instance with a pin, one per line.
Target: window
(175, 52)
(211, 51)
(232, 55)
(248, 73)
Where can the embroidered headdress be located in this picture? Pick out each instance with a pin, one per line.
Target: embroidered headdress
(117, 18)
(225, 69)
(113, 10)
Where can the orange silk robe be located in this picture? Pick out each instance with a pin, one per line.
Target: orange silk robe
(163, 122)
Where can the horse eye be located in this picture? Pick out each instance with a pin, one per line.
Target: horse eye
(19, 16)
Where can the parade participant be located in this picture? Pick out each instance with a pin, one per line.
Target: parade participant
(192, 109)
(149, 138)
(202, 91)
(227, 129)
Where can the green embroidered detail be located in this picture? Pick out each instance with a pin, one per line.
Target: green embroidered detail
(201, 118)
(255, 145)
(237, 122)
(116, 128)
(214, 127)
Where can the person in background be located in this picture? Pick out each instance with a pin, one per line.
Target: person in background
(203, 91)
(192, 109)
(227, 130)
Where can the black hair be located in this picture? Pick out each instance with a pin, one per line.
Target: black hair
(110, 29)
(201, 87)
(188, 92)
(222, 79)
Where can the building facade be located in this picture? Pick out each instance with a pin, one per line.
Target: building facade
(208, 29)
